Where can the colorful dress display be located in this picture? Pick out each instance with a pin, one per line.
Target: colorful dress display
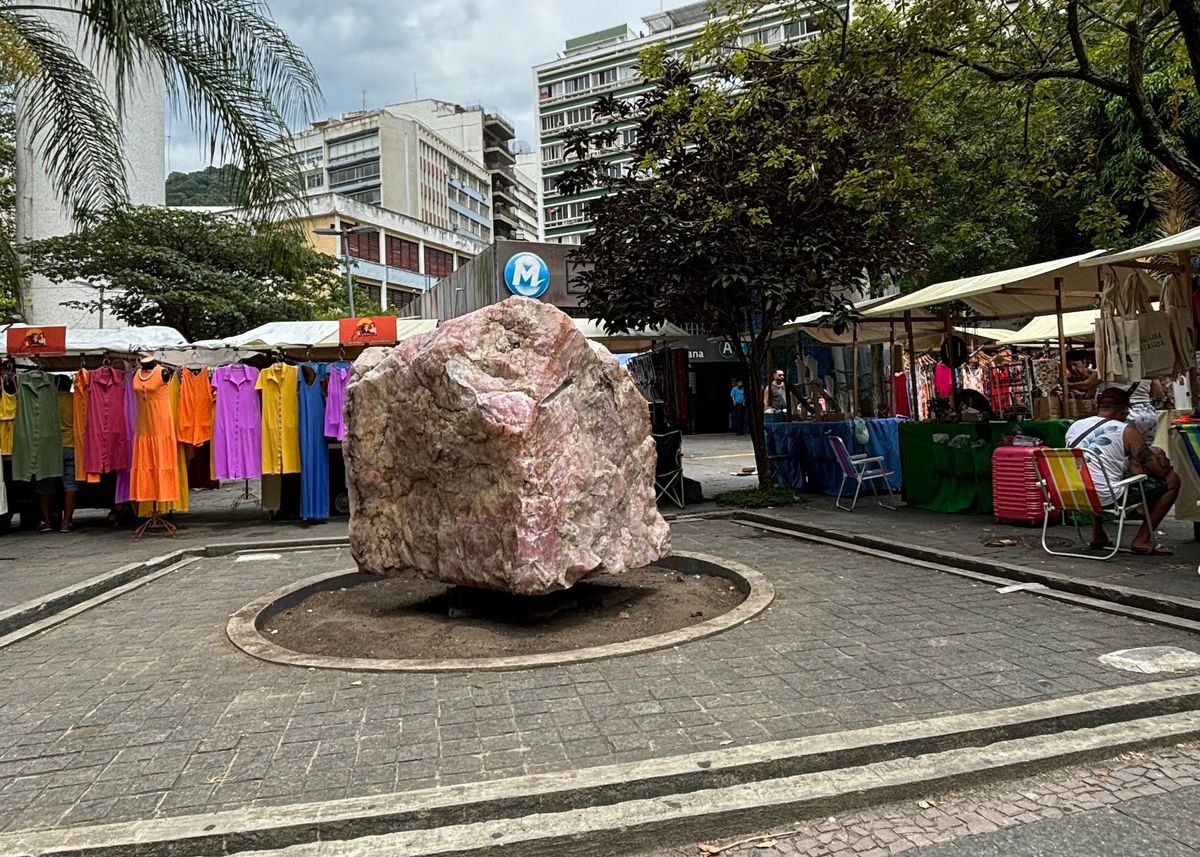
(280, 419)
(314, 450)
(155, 471)
(195, 407)
(8, 421)
(106, 435)
(335, 400)
(237, 433)
(37, 446)
(131, 410)
(181, 503)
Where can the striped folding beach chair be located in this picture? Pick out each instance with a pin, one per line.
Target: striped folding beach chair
(1068, 487)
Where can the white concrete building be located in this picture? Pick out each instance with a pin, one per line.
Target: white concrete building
(605, 63)
(41, 214)
(386, 158)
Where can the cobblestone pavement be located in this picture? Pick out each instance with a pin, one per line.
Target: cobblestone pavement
(141, 707)
(1137, 804)
(713, 459)
(34, 564)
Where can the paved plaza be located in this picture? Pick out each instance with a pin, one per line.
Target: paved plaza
(142, 708)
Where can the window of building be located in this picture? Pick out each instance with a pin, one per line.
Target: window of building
(370, 197)
(579, 116)
(576, 84)
(354, 147)
(603, 78)
(629, 137)
(374, 293)
(553, 152)
(402, 253)
(462, 260)
(363, 245)
(549, 184)
(566, 211)
(354, 175)
(553, 120)
(400, 300)
(549, 90)
(792, 30)
(438, 263)
(314, 180)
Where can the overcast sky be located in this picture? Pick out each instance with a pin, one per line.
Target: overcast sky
(468, 51)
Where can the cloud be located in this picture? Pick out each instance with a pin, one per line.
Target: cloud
(467, 51)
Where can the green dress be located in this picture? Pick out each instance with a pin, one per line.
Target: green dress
(37, 440)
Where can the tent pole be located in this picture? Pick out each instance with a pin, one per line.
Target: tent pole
(912, 367)
(1062, 346)
(1185, 264)
(949, 331)
(854, 369)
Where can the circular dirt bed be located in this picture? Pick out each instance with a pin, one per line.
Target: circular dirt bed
(404, 618)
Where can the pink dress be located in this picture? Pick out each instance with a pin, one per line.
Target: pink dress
(105, 434)
(237, 428)
(943, 381)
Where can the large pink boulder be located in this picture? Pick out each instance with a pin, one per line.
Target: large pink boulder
(502, 451)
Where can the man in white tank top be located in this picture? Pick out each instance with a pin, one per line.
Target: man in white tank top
(1115, 450)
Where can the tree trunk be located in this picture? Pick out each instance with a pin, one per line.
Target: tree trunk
(752, 369)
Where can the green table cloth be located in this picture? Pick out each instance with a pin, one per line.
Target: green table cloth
(957, 476)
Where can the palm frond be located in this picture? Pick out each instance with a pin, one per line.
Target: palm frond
(1176, 202)
(67, 120)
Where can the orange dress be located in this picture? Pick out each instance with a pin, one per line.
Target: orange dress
(195, 407)
(155, 471)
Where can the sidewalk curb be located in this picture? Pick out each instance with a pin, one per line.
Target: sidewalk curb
(1141, 599)
(15, 618)
(1118, 719)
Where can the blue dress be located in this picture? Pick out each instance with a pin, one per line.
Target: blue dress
(314, 451)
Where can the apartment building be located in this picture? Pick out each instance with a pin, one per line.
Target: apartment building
(395, 258)
(389, 159)
(488, 137)
(605, 63)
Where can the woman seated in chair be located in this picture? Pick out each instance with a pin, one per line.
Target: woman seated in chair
(1118, 450)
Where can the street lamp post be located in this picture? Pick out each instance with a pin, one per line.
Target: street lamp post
(344, 234)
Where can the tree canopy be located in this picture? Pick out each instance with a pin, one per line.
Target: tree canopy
(205, 275)
(209, 186)
(762, 192)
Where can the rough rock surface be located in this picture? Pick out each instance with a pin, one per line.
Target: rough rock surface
(502, 451)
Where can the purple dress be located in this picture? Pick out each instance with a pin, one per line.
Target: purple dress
(335, 400)
(131, 410)
(237, 429)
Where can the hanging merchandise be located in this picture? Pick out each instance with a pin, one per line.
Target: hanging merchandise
(8, 416)
(280, 419)
(79, 399)
(37, 446)
(105, 435)
(1177, 307)
(237, 431)
(314, 450)
(154, 474)
(943, 381)
(335, 400)
(182, 501)
(195, 407)
(131, 410)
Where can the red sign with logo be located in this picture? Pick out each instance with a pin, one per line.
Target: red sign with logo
(374, 330)
(32, 341)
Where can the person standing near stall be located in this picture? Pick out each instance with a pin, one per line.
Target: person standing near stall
(775, 395)
(737, 399)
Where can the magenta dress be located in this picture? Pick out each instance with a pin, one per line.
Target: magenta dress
(237, 428)
(335, 400)
(131, 409)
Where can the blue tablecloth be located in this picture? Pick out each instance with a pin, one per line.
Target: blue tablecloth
(807, 459)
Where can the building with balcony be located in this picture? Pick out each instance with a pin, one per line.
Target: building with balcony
(605, 63)
(389, 159)
(398, 259)
(487, 136)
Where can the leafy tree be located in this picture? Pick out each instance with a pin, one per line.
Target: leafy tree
(757, 195)
(209, 186)
(227, 68)
(207, 276)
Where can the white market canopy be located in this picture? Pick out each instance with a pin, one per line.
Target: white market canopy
(1024, 291)
(307, 334)
(877, 332)
(1076, 325)
(1181, 242)
(118, 340)
(631, 340)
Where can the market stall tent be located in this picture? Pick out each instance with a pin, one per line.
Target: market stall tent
(117, 340)
(632, 340)
(1172, 245)
(1044, 328)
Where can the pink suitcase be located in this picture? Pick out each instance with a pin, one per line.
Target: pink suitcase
(1015, 492)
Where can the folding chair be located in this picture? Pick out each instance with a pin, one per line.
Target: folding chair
(860, 469)
(1068, 486)
(668, 469)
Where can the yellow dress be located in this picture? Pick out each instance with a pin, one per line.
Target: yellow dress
(280, 419)
(8, 417)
